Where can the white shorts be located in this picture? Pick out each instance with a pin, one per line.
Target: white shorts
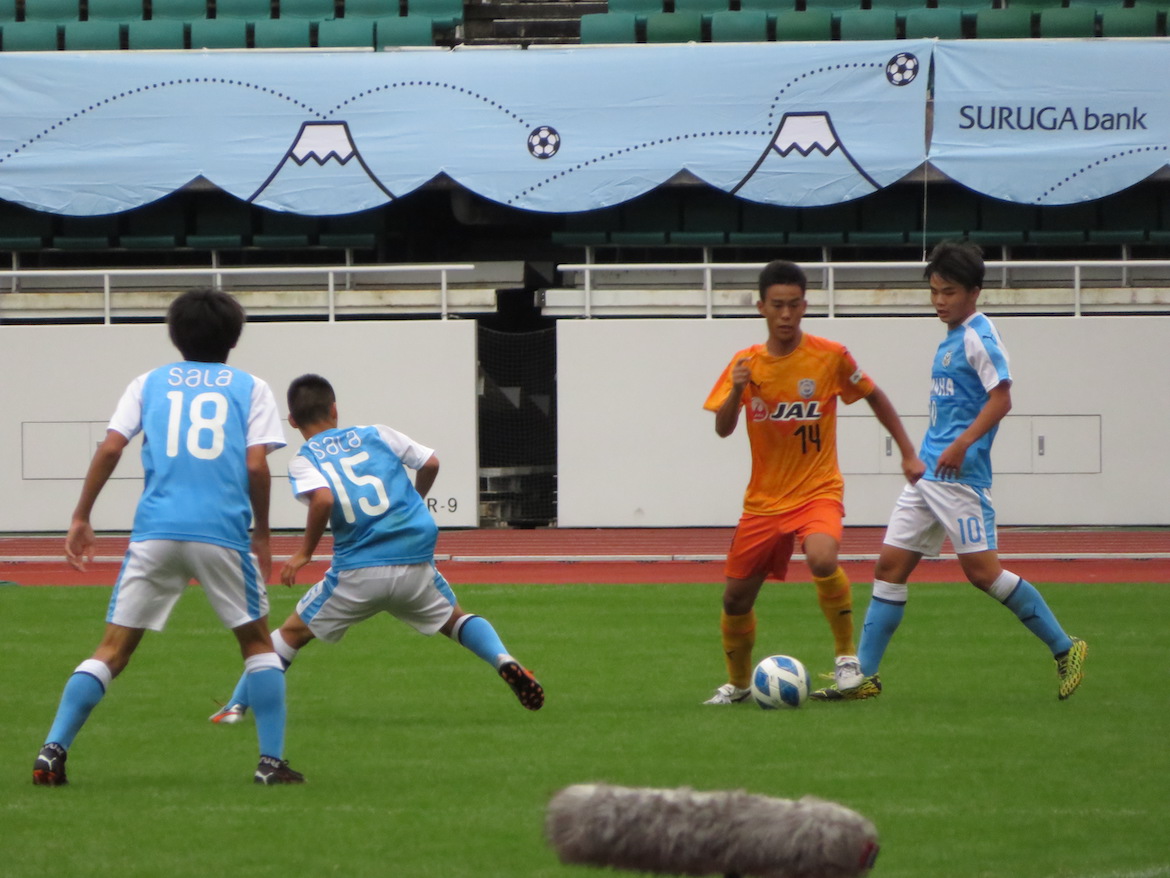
(928, 511)
(417, 594)
(155, 574)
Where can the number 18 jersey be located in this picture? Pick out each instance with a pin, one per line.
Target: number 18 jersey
(197, 422)
(378, 517)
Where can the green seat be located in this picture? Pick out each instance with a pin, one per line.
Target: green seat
(649, 220)
(284, 231)
(161, 34)
(1075, 21)
(599, 28)
(641, 8)
(831, 5)
(22, 229)
(745, 26)
(30, 36)
(951, 214)
(1064, 224)
(56, 11)
(809, 26)
(868, 24)
(243, 10)
(888, 218)
(1003, 223)
(825, 226)
(115, 10)
(85, 232)
(897, 5)
(92, 36)
(707, 218)
(674, 27)
(371, 8)
(589, 228)
(219, 33)
(945, 24)
(706, 8)
(769, 7)
(1003, 24)
(158, 226)
(344, 32)
(1126, 217)
(7, 11)
(316, 10)
(178, 10)
(410, 30)
(353, 231)
(445, 14)
(763, 225)
(1138, 21)
(281, 33)
(221, 223)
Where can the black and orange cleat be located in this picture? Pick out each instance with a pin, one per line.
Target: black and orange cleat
(528, 691)
(49, 769)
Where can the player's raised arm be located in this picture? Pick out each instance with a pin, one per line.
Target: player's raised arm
(727, 416)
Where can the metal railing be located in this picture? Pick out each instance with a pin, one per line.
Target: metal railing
(216, 275)
(830, 271)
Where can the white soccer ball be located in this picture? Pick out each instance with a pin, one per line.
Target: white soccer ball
(544, 142)
(902, 69)
(780, 681)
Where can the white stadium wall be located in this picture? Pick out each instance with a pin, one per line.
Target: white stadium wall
(1084, 444)
(62, 383)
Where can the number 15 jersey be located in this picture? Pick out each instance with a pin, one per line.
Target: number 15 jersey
(791, 404)
(378, 517)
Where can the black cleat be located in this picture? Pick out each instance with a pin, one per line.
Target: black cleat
(49, 769)
(530, 692)
(276, 771)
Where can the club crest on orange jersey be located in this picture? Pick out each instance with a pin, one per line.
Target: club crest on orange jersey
(806, 387)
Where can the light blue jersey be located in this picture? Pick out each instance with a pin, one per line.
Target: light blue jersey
(378, 517)
(970, 362)
(198, 421)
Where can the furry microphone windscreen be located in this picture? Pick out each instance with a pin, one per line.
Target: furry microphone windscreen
(684, 832)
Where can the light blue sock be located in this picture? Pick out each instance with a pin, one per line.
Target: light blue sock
(81, 695)
(284, 652)
(477, 634)
(1030, 608)
(265, 685)
(882, 618)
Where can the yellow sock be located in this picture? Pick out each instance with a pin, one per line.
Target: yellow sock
(835, 595)
(739, 636)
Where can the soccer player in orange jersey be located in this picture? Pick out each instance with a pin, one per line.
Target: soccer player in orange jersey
(789, 386)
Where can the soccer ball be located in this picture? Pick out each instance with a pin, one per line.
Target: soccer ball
(544, 142)
(780, 681)
(902, 69)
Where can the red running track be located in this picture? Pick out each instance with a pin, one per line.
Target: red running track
(604, 555)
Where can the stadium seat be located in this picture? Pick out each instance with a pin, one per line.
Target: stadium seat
(92, 36)
(868, 24)
(85, 232)
(825, 226)
(221, 223)
(1064, 224)
(763, 225)
(445, 14)
(410, 30)
(30, 36)
(888, 218)
(353, 231)
(897, 5)
(831, 5)
(1138, 21)
(284, 231)
(219, 33)
(158, 226)
(21, 229)
(746, 26)
(316, 10)
(1075, 21)
(647, 221)
(56, 11)
(346, 32)
(769, 7)
(1003, 223)
(370, 8)
(589, 228)
(1126, 217)
(706, 8)
(674, 27)
(1003, 24)
(115, 10)
(178, 10)
(707, 217)
(810, 25)
(243, 10)
(281, 33)
(7, 11)
(945, 24)
(599, 28)
(641, 8)
(951, 214)
(161, 34)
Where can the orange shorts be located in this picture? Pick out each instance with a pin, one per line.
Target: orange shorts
(762, 544)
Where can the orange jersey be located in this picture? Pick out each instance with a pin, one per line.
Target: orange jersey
(791, 404)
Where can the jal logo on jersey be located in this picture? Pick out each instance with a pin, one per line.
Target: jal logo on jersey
(785, 411)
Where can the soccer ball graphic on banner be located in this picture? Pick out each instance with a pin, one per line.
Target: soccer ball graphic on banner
(780, 681)
(544, 142)
(902, 69)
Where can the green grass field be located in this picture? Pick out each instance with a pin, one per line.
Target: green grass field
(420, 763)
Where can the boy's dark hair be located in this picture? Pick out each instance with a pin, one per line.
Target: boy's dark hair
(960, 262)
(310, 399)
(781, 271)
(205, 324)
